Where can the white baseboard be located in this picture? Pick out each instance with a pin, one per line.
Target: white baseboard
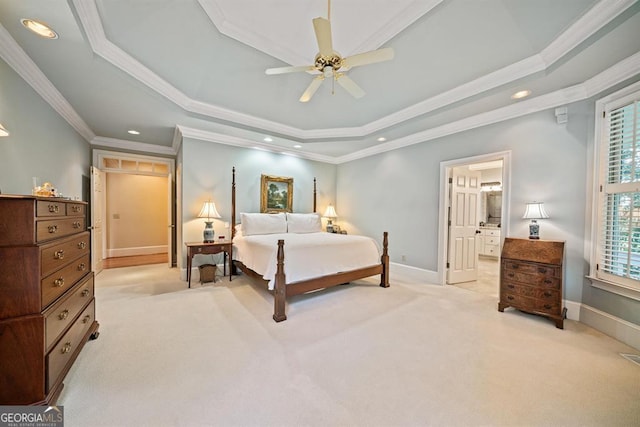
(143, 250)
(626, 332)
(412, 274)
(573, 310)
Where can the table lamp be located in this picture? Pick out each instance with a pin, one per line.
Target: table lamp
(330, 214)
(534, 211)
(208, 211)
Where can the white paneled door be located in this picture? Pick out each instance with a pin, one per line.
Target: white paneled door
(465, 213)
(97, 213)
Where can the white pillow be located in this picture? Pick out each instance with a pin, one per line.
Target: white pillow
(303, 223)
(262, 223)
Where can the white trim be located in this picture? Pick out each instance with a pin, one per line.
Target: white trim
(626, 332)
(412, 274)
(98, 155)
(573, 309)
(142, 250)
(616, 288)
(602, 13)
(124, 144)
(22, 64)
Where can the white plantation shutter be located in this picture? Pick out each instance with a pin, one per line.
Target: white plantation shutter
(619, 239)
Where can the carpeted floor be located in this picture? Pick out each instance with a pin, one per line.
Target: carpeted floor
(410, 355)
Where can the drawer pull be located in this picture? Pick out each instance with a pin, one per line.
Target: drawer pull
(515, 266)
(75, 208)
(59, 282)
(86, 318)
(59, 254)
(511, 274)
(66, 348)
(547, 306)
(82, 245)
(77, 224)
(82, 266)
(510, 286)
(52, 229)
(510, 298)
(547, 281)
(542, 270)
(53, 208)
(85, 292)
(63, 315)
(547, 294)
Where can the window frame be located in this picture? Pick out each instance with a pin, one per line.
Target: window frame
(629, 288)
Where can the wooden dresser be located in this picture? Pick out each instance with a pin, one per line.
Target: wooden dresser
(531, 276)
(47, 308)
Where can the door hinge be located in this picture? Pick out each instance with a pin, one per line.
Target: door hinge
(597, 267)
(450, 180)
(447, 265)
(601, 188)
(604, 114)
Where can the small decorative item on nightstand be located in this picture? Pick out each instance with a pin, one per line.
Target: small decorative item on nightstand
(534, 211)
(208, 211)
(330, 214)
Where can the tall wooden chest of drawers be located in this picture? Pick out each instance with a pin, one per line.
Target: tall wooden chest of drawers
(531, 277)
(47, 307)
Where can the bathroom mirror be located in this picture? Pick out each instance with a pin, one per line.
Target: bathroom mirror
(493, 207)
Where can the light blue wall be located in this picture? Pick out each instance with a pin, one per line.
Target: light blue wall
(206, 173)
(401, 192)
(41, 143)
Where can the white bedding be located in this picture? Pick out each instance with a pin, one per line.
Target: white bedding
(307, 255)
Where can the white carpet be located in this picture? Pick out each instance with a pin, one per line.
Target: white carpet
(412, 354)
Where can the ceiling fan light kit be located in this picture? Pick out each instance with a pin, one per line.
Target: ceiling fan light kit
(327, 62)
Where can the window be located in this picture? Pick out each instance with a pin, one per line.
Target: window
(618, 201)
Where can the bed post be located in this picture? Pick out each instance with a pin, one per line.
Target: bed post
(384, 277)
(233, 216)
(279, 291)
(314, 194)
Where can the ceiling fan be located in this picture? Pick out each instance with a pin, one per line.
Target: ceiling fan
(328, 62)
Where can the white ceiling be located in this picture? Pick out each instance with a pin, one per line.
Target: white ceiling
(196, 67)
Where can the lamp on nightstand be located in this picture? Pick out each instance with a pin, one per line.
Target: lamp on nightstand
(330, 214)
(208, 211)
(534, 211)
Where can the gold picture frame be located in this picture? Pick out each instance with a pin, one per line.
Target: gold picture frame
(276, 194)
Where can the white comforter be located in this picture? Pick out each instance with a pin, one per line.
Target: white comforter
(306, 255)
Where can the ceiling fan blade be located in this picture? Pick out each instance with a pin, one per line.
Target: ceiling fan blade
(349, 85)
(284, 70)
(313, 87)
(370, 57)
(322, 28)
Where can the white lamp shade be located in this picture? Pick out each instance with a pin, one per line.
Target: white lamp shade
(3, 131)
(535, 210)
(208, 210)
(330, 212)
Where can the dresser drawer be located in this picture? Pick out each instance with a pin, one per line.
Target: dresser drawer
(525, 303)
(547, 282)
(492, 233)
(530, 291)
(76, 209)
(55, 228)
(492, 241)
(59, 282)
(50, 208)
(63, 313)
(65, 351)
(57, 255)
(537, 269)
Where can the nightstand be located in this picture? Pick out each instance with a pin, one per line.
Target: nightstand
(199, 248)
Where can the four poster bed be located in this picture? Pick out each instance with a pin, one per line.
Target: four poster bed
(315, 259)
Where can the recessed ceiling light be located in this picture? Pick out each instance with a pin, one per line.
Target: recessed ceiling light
(297, 146)
(521, 94)
(133, 132)
(40, 28)
(267, 139)
(381, 139)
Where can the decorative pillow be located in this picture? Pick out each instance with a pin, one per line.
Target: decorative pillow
(261, 223)
(303, 223)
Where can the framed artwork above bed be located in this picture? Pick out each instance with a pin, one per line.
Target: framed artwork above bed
(276, 194)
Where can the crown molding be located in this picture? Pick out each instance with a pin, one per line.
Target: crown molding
(602, 13)
(123, 144)
(22, 64)
(220, 138)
